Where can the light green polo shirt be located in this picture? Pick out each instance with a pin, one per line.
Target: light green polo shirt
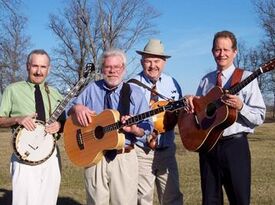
(18, 99)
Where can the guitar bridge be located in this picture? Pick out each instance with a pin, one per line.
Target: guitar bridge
(197, 120)
(79, 139)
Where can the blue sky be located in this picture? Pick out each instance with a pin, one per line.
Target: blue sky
(186, 30)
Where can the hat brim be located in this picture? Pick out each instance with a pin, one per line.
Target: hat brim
(154, 54)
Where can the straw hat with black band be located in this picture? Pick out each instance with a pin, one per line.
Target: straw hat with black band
(154, 47)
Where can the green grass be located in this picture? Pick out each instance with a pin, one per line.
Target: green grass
(72, 192)
(262, 147)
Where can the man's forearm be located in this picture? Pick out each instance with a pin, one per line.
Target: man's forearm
(8, 121)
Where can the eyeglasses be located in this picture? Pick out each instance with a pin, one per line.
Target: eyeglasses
(114, 68)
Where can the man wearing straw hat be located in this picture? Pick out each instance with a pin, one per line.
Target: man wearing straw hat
(156, 153)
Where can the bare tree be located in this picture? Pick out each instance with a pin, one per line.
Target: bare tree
(13, 44)
(241, 59)
(250, 59)
(7, 6)
(86, 28)
(266, 13)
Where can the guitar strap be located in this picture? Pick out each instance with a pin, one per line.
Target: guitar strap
(48, 95)
(61, 118)
(137, 82)
(124, 109)
(236, 76)
(124, 99)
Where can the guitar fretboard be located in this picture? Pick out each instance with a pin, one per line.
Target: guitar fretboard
(134, 120)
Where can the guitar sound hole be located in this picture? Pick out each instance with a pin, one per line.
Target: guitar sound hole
(99, 132)
(211, 109)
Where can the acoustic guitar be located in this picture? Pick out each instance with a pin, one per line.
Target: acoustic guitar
(85, 146)
(200, 131)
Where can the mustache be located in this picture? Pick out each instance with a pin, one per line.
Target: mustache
(112, 76)
(38, 75)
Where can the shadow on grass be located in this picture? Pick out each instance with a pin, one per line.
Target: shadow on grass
(67, 201)
(6, 195)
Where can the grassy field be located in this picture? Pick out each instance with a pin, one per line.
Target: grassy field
(72, 192)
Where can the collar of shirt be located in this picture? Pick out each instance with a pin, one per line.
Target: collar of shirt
(115, 89)
(149, 81)
(41, 85)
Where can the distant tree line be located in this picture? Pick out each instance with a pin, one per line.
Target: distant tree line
(84, 28)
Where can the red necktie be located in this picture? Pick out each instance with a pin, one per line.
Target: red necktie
(152, 139)
(219, 79)
(154, 96)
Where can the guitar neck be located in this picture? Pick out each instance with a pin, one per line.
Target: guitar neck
(60, 108)
(236, 88)
(262, 69)
(136, 119)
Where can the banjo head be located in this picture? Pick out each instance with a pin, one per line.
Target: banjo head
(33, 147)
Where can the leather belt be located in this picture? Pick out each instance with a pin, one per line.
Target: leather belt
(161, 148)
(234, 136)
(126, 149)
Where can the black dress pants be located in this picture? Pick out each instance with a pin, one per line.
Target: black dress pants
(227, 165)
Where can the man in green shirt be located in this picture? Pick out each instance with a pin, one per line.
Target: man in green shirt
(37, 184)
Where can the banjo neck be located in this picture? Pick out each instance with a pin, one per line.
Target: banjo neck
(60, 108)
(73, 92)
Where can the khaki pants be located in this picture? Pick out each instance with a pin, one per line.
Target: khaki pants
(113, 182)
(158, 168)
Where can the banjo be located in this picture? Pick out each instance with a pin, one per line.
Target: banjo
(35, 147)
